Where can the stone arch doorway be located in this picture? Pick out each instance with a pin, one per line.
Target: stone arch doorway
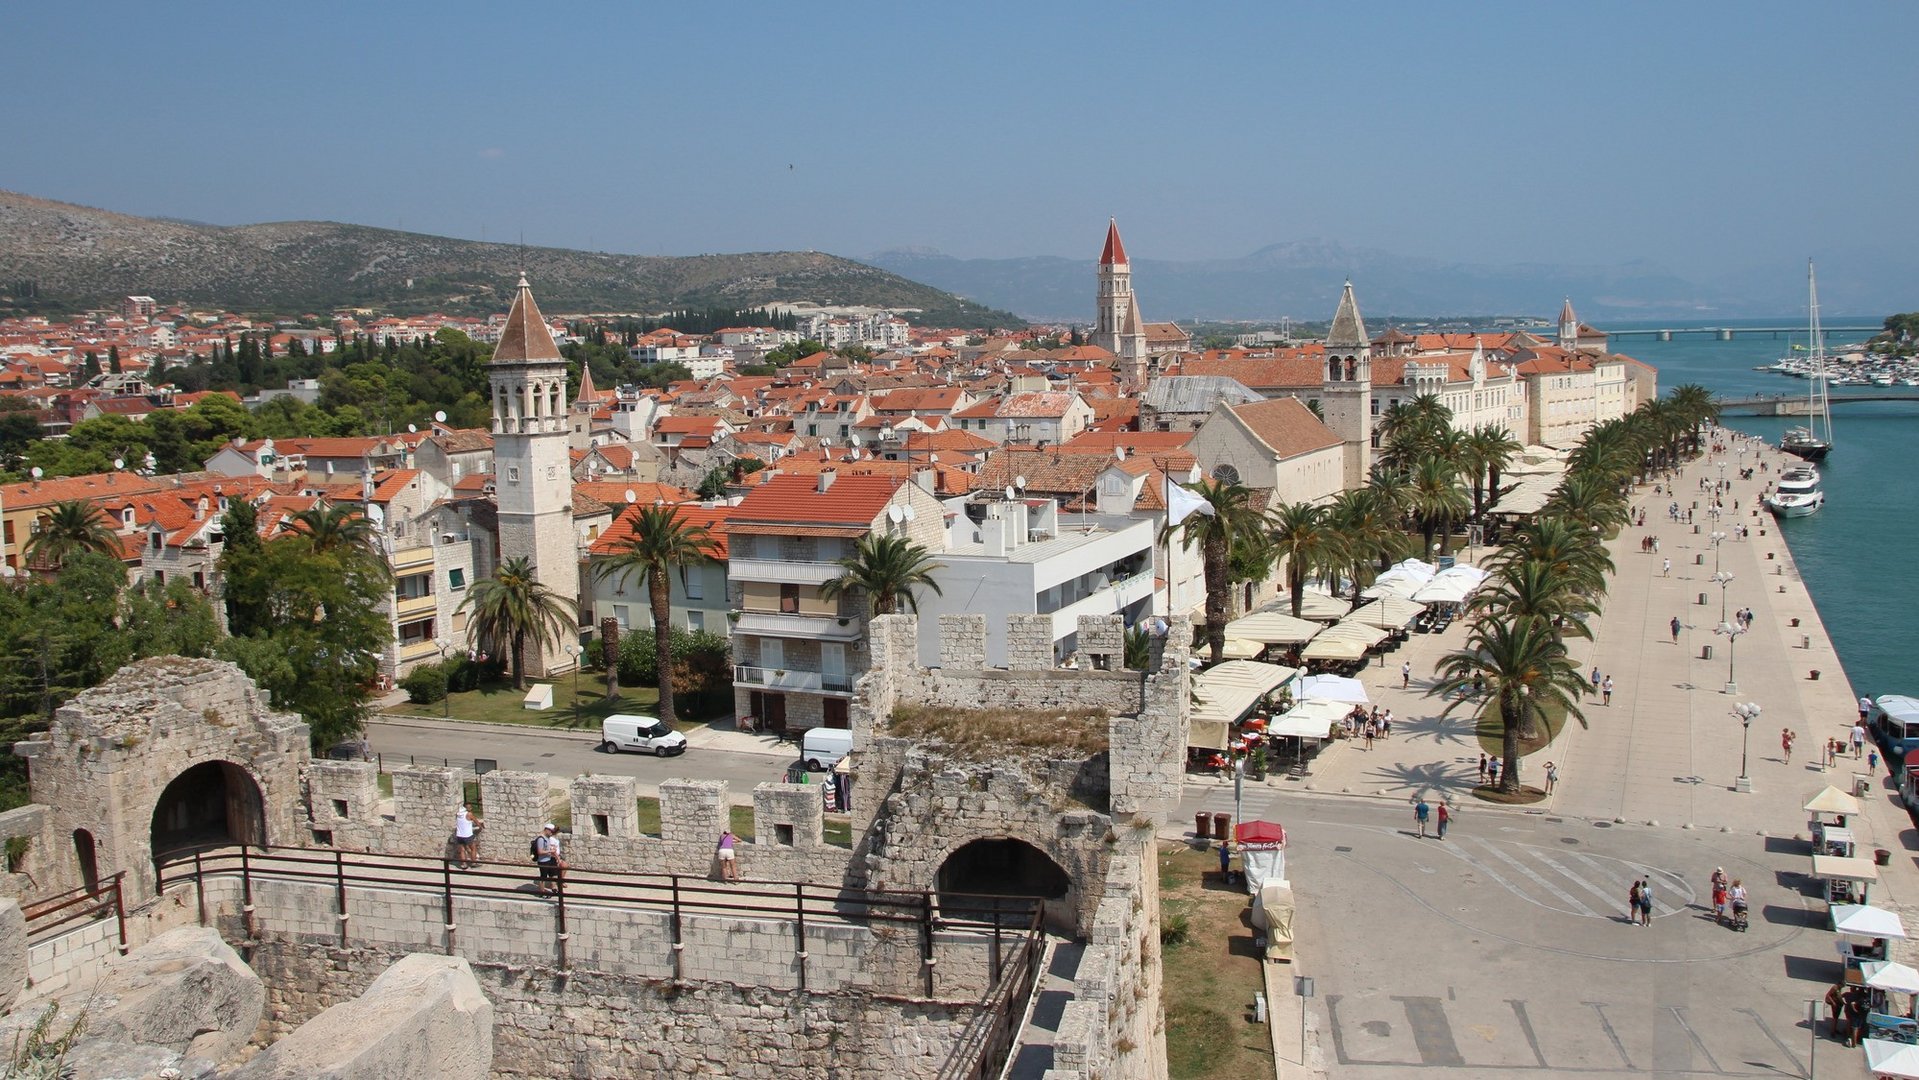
(89, 861)
(1009, 868)
(213, 804)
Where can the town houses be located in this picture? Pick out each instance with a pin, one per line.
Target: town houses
(1036, 473)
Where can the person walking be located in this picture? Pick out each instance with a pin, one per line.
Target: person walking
(1421, 812)
(546, 856)
(1872, 760)
(1676, 624)
(1786, 736)
(1865, 708)
(1552, 777)
(1492, 772)
(1605, 690)
(1645, 902)
(1858, 741)
(465, 827)
(1666, 569)
(1632, 903)
(1719, 894)
(729, 864)
(1482, 768)
(1595, 680)
(1405, 674)
(1445, 817)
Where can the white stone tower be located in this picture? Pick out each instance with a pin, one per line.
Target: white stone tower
(1346, 395)
(1568, 327)
(532, 477)
(1117, 325)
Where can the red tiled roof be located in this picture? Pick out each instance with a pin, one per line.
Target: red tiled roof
(1286, 425)
(1114, 251)
(790, 500)
(712, 518)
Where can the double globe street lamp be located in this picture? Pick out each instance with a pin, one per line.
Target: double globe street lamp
(1732, 631)
(1747, 712)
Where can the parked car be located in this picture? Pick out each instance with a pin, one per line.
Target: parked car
(644, 734)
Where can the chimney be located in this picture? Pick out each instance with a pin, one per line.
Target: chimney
(827, 476)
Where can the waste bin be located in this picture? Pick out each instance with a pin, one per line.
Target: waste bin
(1699, 560)
(1202, 825)
(1702, 599)
(1881, 857)
(1705, 652)
(1222, 826)
(1861, 785)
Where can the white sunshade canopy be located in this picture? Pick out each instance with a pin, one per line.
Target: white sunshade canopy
(1239, 648)
(1402, 588)
(1387, 612)
(1887, 1058)
(1331, 688)
(1863, 920)
(1451, 586)
(1224, 692)
(1317, 604)
(1833, 801)
(1272, 628)
(1842, 868)
(1307, 720)
(1890, 975)
(1364, 633)
(1333, 647)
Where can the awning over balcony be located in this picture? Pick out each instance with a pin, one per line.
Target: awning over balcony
(813, 627)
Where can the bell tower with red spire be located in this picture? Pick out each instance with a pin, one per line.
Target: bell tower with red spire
(1117, 326)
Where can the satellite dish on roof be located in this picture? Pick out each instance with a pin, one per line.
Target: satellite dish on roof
(36, 472)
(412, 430)
(894, 514)
(1119, 453)
(632, 496)
(440, 417)
(856, 442)
(907, 510)
(375, 513)
(1009, 493)
(1020, 481)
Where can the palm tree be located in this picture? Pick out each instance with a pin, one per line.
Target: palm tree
(1612, 451)
(1526, 670)
(1533, 589)
(72, 527)
(662, 542)
(1306, 540)
(1487, 451)
(1371, 530)
(887, 569)
(1231, 520)
(1572, 551)
(512, 606)
(330, 527)
(1437, 501)
(1588, 501)
(1695, 404)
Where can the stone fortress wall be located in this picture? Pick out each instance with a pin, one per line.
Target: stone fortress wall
(626, 999)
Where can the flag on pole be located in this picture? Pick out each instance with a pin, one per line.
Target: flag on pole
(1181, 504)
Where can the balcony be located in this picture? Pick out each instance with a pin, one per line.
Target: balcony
(815, 627)
(409, 607)
(408, 558)
(418, 650)
(1113, 599)
(785, 573)
(786, 679)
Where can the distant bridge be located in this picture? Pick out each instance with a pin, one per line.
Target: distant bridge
(1726, 333)
(1799, 405)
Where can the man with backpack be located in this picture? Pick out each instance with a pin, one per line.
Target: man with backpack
(545, 849)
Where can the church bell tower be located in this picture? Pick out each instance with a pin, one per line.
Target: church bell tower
(1346, 391)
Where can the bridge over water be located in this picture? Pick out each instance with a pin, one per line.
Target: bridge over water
(1798, 404)
(1727, 333)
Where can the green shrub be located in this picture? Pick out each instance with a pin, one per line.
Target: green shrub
(1174, 929)
(425, 684)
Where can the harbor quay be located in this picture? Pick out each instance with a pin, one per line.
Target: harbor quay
(1522, 906)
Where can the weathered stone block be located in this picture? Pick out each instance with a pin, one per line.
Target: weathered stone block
(186, 991)
(424, 1016)
(13, 953)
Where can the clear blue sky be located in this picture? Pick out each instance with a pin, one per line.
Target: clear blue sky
(1711, 138)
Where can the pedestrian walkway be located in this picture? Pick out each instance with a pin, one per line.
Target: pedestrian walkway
(1054, 989)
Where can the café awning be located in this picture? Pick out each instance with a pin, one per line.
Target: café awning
(1833, 801)
(1272, 628)
(1225, 692)
(1388, 612)
(1841, 868)
(1307, 720)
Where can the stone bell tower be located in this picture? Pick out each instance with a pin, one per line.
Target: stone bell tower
(1346, 394)
(1117, 326)
(533, 479)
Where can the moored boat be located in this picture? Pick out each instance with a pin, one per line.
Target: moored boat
(1814, 441)
(1797, 494)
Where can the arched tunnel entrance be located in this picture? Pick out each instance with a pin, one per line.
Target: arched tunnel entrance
(1006, 868)
(210, 805)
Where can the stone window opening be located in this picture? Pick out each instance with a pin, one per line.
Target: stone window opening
(339, 808)
(783, 835)
(601, 825)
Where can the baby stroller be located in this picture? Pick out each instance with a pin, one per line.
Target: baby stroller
(1739, 920)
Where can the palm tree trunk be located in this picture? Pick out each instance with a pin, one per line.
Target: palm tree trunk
(1492, 486)
(1509, 749)
(1218, 592)
(1479, 497)
(656, 591)
(610, 653)
(519, 660)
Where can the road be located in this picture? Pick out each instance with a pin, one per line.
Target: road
(431, 742)
(1506, 947)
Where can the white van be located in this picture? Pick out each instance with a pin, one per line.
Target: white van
(822, 748)
(625, 731)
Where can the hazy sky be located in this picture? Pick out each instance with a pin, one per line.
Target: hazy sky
(1710, 138)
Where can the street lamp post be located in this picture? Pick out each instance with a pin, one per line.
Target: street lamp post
(1731, 630)
(1747, 712)
(1722, 578)
(1716, 538)
(572, 649)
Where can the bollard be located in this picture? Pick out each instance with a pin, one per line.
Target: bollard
(1699, 560)
(1705, 652)
(1702, 599)
(1805, 641)
(1795, 620)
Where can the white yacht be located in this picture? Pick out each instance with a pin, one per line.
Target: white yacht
(1797, 493)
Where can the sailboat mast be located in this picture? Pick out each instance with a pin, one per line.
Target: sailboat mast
(1821, 414)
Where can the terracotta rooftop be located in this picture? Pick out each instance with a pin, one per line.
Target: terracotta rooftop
(525, 339)
(713, 518)
(796, 500)
(1114, 251)
(1285, 425)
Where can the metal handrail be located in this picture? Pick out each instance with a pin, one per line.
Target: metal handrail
(78, 904)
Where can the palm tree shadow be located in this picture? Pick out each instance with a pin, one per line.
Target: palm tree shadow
(1426, 776)
(1442, 730)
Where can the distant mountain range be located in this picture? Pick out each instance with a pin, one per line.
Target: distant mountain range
(1302, 280)
(76, 257)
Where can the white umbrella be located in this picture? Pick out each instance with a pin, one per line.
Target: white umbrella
(1887, 1058)
(1324, 647)
(1862, 920)
(1331, 688)
(1891, 975)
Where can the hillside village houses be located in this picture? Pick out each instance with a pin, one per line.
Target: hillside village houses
(1036, 479)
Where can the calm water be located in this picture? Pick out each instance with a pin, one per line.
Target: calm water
(1855, 553)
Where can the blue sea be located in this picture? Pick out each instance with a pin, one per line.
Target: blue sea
(1854, 553)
